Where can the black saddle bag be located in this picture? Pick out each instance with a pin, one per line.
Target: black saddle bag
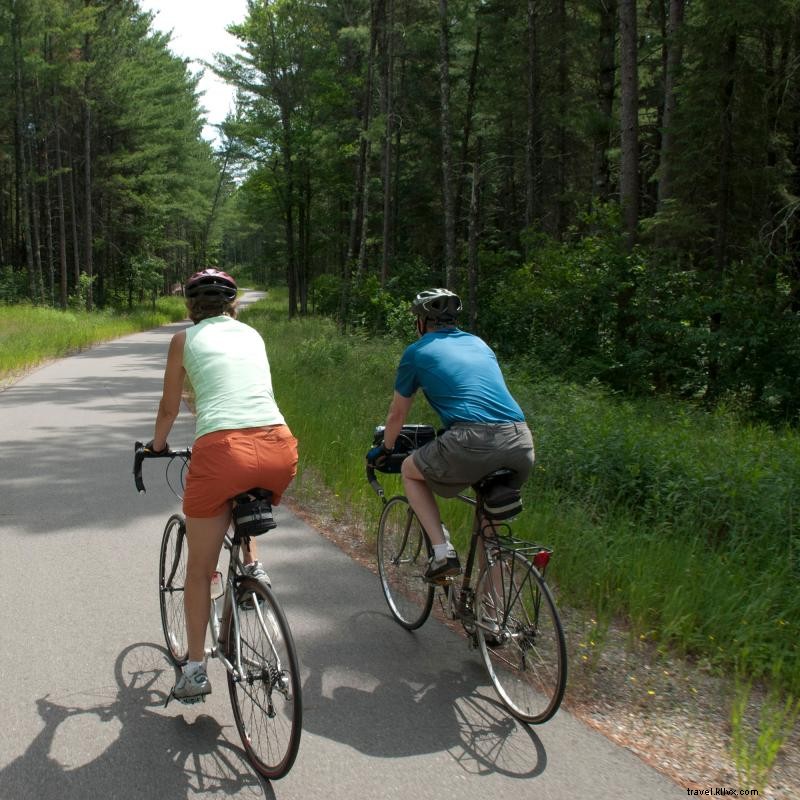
(252, 514)
(501, 502)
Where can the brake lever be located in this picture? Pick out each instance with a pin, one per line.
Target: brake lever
(138, 458)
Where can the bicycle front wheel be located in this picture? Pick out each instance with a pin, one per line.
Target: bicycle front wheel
(403, 552)
(171, 580)
(265, 697)
(521, 638)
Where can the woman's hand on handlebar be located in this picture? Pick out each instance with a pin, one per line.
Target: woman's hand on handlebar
(156, 451)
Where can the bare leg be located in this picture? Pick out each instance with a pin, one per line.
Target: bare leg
(205, 535)
(422, 501)
(249, 553)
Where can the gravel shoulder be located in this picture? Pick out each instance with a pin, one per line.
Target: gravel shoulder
(673, 713)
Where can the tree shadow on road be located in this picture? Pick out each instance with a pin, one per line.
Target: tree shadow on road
(117, 742)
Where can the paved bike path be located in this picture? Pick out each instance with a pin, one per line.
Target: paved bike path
(83, 671)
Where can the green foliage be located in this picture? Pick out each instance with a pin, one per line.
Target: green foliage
(79, 299)
(755, 755)
(151, 178)
(12, 285)
(30, 334)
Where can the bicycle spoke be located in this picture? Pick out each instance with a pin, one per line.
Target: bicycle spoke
(266, 695)
(402, 560)
(526, 659)
(172, 574)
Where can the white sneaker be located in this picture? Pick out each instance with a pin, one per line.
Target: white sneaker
(193, 687)
(256, 570)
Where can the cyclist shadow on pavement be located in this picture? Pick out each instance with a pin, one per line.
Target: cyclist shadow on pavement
(415, 703)
(120, 744)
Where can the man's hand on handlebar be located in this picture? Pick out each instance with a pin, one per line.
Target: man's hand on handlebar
(378, 456)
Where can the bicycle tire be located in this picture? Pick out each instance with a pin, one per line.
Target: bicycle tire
(172, 577)
(266, 701)
(527, 658)
(403, 553)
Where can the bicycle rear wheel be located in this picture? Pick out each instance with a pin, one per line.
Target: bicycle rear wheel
(403, 552)
(521, 638)
(266, 698)
(171, 579)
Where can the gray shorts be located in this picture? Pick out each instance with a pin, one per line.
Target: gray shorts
(467, 452)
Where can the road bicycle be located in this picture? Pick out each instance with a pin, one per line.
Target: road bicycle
(250, 635)
(508, 613)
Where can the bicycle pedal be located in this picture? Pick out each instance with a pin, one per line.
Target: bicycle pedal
(186, 701)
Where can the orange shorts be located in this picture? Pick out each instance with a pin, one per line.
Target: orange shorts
(226, 463)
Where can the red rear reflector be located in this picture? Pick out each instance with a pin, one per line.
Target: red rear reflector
(541, 560)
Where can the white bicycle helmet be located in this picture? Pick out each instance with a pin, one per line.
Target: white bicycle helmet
(441, 305)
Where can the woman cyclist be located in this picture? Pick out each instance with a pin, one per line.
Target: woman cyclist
(241, 442)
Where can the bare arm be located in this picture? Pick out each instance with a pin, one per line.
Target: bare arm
(398, 411)
(170, 403)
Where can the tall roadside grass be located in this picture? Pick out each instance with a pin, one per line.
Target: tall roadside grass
(30, 334)
(682, 523)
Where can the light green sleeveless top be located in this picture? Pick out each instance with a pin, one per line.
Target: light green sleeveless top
(226, 361)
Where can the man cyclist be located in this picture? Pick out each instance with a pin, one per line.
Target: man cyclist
(485, 428)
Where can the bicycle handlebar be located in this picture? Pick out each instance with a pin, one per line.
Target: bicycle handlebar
(140, 453)
(373, 482)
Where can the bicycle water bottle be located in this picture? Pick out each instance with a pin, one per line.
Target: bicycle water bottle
(217, 587)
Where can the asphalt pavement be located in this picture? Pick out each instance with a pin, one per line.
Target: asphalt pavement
(84, 672)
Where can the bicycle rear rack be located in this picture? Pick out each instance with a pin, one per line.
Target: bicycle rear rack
(537, 554)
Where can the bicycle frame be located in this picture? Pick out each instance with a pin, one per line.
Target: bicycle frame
(492, 543)
(217, 623)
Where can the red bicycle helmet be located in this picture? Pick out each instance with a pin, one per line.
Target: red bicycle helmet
(210, 283)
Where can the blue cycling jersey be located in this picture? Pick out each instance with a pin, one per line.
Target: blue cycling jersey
(460, 376)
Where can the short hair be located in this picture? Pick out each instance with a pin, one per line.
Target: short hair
(204, 307)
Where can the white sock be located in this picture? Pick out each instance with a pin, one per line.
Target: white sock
(440, 551)
(190, 667)
(451, 551)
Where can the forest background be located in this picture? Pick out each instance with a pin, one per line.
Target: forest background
(612, 186)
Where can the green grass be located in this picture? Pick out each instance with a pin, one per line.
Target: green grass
(681, 523)
(30, 334)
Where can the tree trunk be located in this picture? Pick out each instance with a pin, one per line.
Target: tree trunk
(533, 138)
(87, 179)
(288, 212)
(674, 58)
(561, 128)
(447, 147)
(23, 178)
(73, 212)
(359, 203)
(388, 111)
(724, 199)
(601, 173)
(304, 238)
(474, 234)
(726, 155)
(48, 220)
(36, 228)
(62, 224)
(469, 113)
(629, 119)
